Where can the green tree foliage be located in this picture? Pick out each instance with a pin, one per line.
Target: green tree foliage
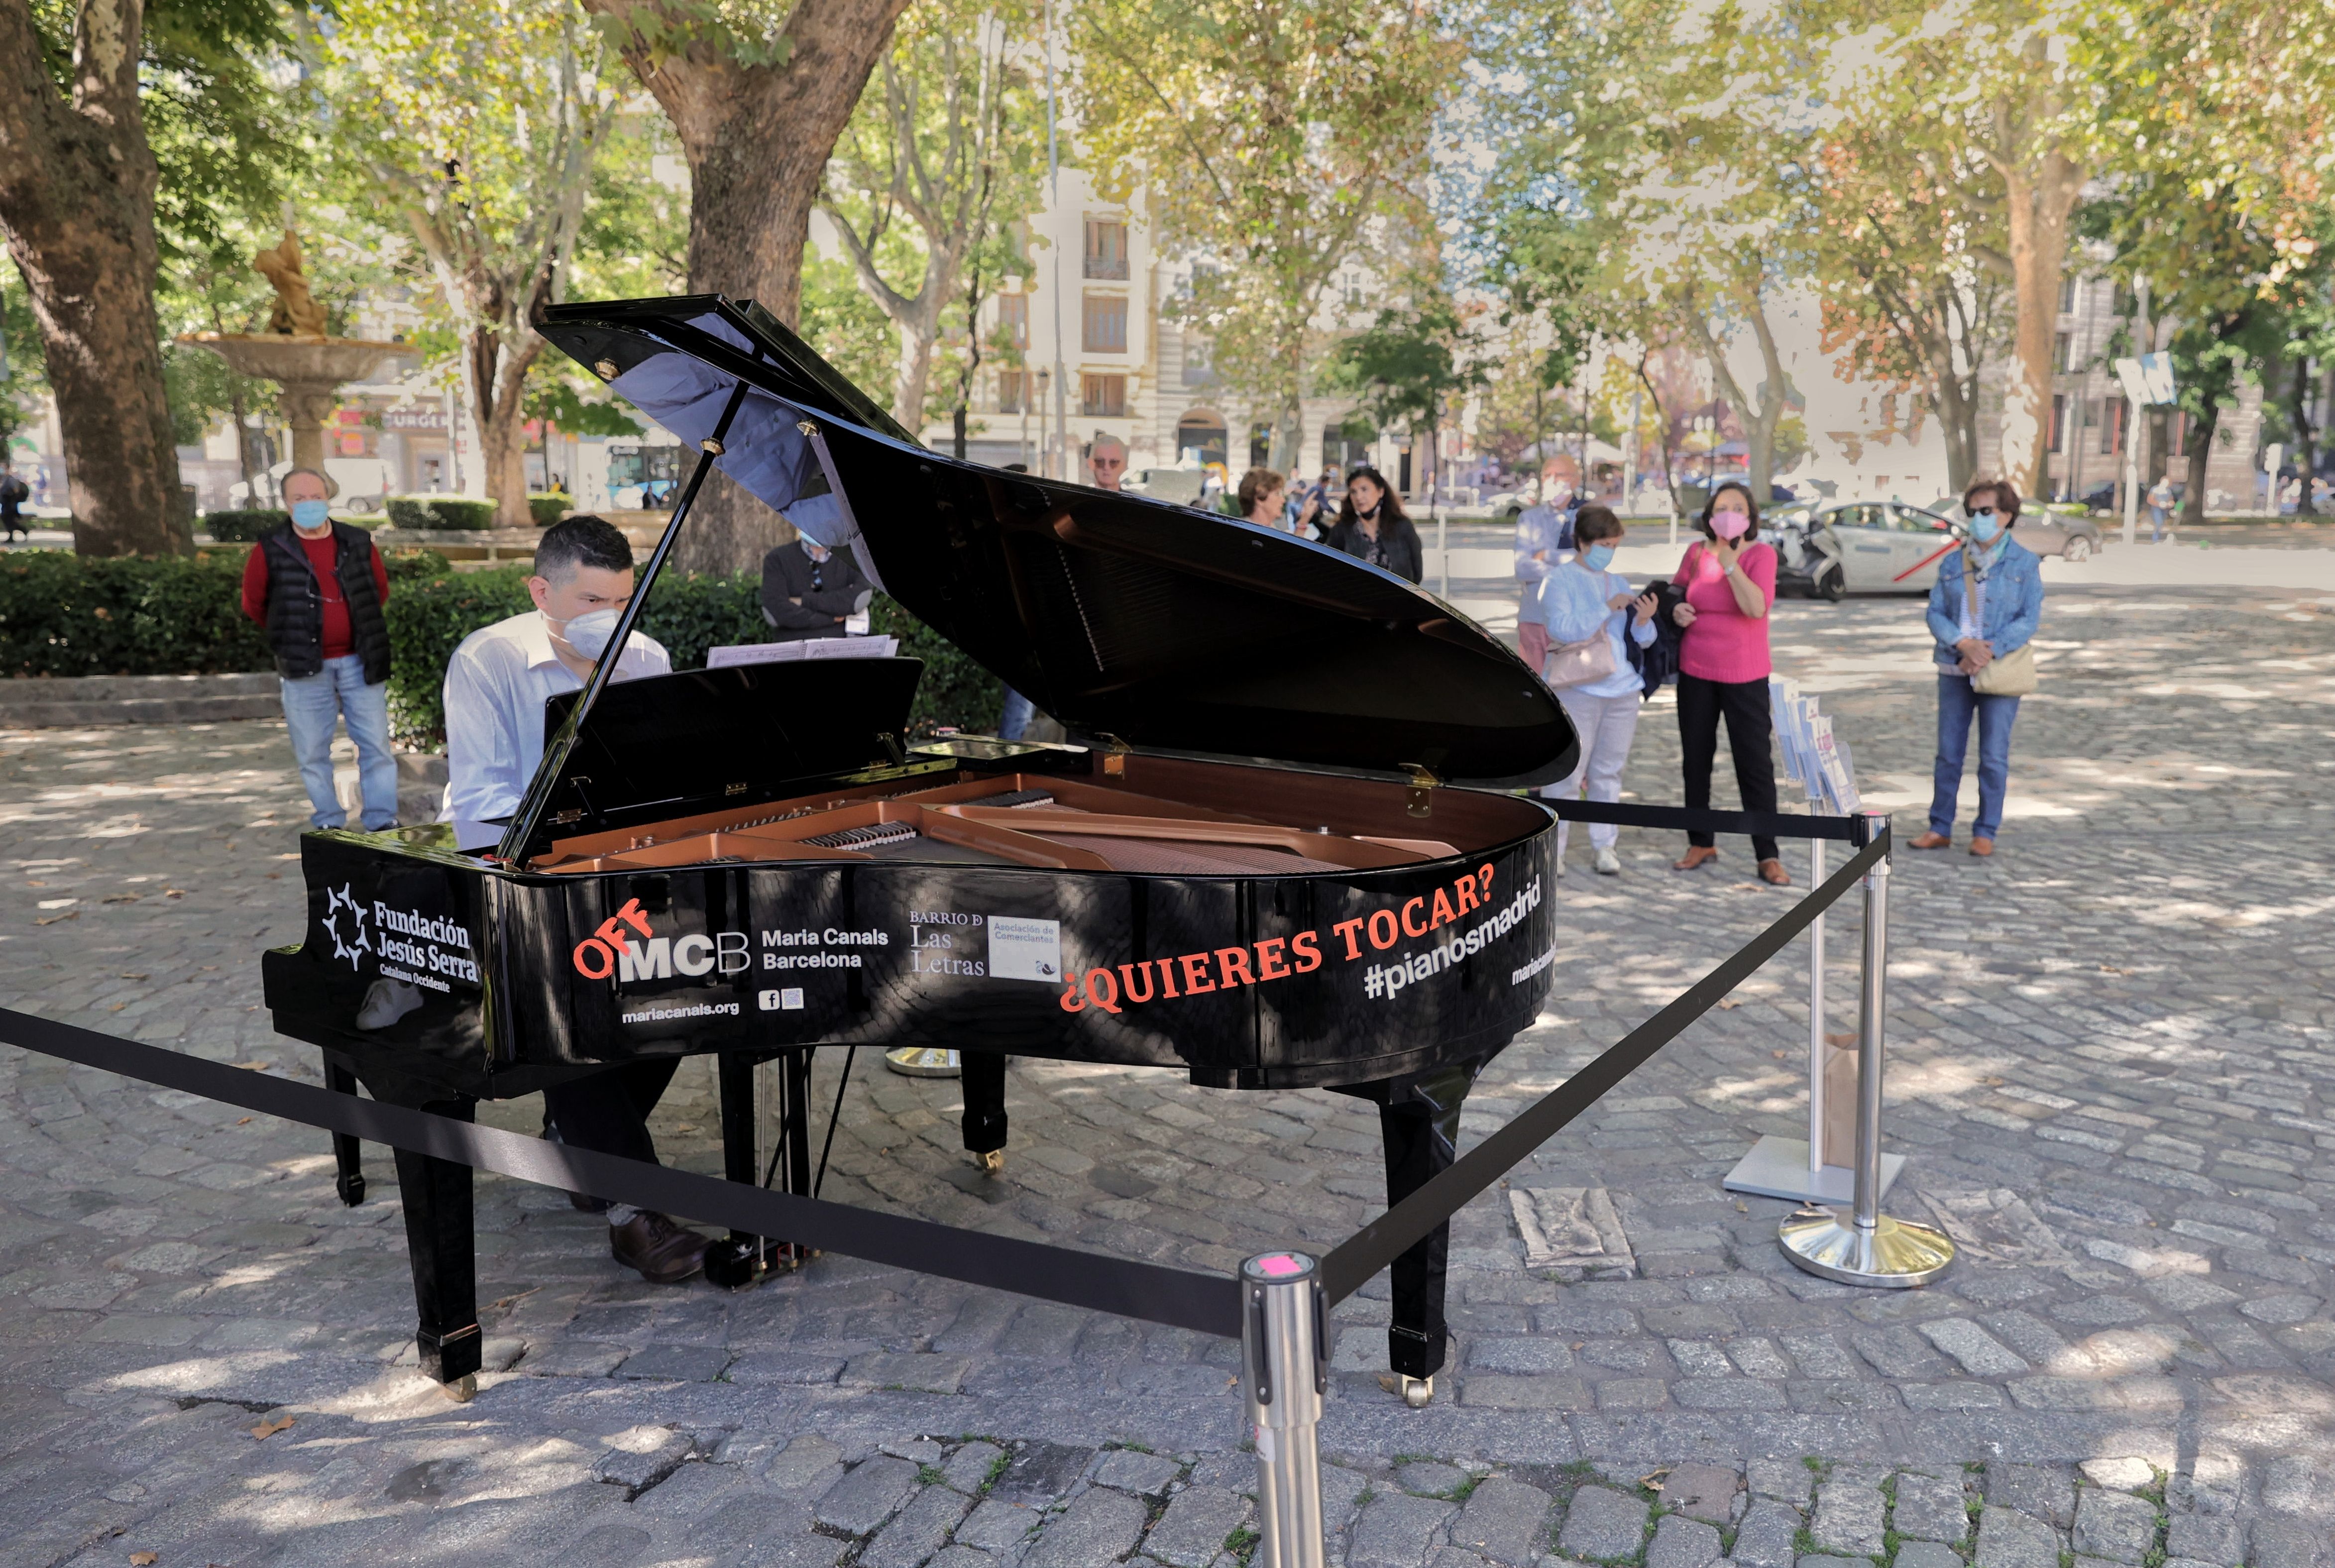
(1411, 367)
(2214, 114)
(1276, 143)
(943, 151)
(474, 123)
(848, 329)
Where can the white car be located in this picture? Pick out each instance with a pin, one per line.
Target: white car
(1888, 546)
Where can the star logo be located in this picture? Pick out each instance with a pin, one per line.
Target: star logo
(336, 899)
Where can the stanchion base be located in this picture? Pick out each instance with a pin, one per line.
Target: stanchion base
(1896, 1255)
(922, 1061)
(1777, 1167)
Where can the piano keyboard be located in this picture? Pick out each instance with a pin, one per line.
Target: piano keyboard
(873, 835)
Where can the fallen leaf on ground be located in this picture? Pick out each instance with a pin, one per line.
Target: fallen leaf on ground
(120, 898)
(241, 1120)
(53, 919)
(143, 1558)
(174, 892)
(1653, 1482)
(126, 975)
(1729, 1004)
(266, 1430)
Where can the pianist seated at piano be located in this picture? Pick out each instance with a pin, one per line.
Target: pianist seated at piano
(810, 590)
(496, 687)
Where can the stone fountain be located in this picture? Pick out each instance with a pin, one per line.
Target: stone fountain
(306, 364)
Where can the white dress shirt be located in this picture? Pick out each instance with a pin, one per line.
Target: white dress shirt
(495, 686)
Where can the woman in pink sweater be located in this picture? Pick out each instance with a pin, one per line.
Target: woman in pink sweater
(1730, 580)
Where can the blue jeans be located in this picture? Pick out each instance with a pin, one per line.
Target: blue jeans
(1019, 711)
(1957, 705)
(310, 706)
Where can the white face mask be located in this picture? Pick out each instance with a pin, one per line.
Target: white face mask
(586, 634)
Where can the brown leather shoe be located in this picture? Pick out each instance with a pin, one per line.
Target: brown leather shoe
(1930, 841)
(1772, 872)
(1981, 848)
(664, 1252)
(1695, 856)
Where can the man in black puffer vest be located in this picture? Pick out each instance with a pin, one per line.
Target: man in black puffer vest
(319, 587)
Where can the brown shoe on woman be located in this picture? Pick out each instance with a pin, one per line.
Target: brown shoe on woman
(1930, 841)
(1772, 872)
(1695, 856)
(1981, 848)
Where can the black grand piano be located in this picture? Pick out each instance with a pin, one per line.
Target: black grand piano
(1280, 854)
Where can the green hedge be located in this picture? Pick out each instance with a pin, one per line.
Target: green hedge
(441, 512)
(244, 525)
(63, 615)
(548, 510)
(688, 614)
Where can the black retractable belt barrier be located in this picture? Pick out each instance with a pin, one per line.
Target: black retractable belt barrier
(1379, 1242)
(1181, 1297)
(1764, 824)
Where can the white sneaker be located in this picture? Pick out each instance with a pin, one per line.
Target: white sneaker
(1608, 862)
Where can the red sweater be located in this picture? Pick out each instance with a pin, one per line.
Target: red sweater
(324, 559)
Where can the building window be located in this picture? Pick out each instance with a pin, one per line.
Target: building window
(1102, 396)
(2067, 287)
(1106, 247)
(2058, 420)
(2062, 348)
(1013, 318)
(1013, 391)
(2111, 425)
(1105, 323)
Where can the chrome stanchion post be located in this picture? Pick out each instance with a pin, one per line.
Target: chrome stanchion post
(1816, 1007)
(1868, 1247)
(1284, 1372)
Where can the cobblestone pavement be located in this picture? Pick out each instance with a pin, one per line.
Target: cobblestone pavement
(2112, 1067)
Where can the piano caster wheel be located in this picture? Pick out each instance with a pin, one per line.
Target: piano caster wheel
(733, 1264)
(463, 1389)
(350, 1188)
(991, 1161)
(1416, 1391)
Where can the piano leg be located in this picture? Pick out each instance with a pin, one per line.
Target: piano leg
(1419, 1120)
(983, 1077)
(347, 1154)
(744, 1258)
(438, 1241)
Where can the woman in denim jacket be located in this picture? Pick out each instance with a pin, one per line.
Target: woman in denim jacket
(1988, 601)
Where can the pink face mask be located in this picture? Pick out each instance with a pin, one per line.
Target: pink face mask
(1729, 525)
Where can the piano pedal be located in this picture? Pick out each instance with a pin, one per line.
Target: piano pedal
(463, 1389)
(991, 1161)
(1416, 1391)
(740, 1263)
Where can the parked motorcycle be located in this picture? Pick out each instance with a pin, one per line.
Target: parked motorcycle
(1809, 554)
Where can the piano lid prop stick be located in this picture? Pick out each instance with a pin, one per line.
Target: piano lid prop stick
(524, 822)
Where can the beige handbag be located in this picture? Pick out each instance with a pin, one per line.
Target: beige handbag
(1579, 663)
(2010, 676)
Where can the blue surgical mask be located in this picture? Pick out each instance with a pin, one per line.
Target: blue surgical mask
(312, 515)
(1984, 526)
(1598, 557)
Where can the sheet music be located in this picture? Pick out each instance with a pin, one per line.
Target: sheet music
(728, 657)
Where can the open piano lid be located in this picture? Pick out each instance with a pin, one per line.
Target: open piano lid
(1123, 616)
